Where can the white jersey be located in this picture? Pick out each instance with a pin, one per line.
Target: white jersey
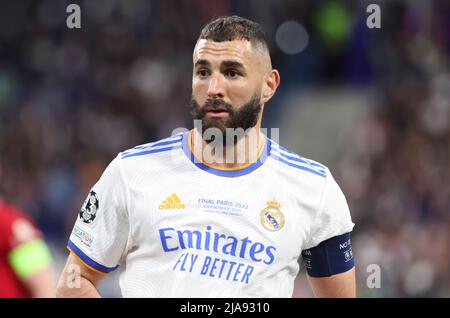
(178, 227)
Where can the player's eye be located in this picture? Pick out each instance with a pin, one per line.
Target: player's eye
(232, 73)
(202, 72)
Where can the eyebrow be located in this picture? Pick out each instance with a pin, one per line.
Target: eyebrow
(233, 64)
(202, 63)
(226, 63)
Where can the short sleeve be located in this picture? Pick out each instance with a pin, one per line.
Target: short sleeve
(333, 216)
(100, 234)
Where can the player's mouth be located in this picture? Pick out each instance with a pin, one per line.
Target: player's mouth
(217, 113)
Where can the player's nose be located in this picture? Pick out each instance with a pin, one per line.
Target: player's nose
(215, 87)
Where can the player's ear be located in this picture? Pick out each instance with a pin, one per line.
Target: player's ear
(270, 85)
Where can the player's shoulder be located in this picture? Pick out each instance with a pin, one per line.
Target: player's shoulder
(293, 161)
(152, 149)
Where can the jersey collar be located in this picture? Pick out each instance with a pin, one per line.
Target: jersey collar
(220, 171)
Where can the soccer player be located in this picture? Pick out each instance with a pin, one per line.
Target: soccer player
(25, 262)
(181, 220)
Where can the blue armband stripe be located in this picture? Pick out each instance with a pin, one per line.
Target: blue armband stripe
(330, 257)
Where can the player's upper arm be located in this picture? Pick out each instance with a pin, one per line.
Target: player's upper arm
(74, 264)
(77, 280)
(339, 285)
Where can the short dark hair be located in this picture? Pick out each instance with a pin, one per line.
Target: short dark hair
(229, 28)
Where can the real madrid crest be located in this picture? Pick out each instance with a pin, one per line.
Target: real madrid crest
(271, 217)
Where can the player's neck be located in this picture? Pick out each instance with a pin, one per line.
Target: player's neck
(246, 151)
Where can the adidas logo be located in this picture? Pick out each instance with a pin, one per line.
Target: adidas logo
(172, 202)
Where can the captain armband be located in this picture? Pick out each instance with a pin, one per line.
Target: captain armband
(331, 257)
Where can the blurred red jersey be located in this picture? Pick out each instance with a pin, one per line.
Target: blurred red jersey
(15, 229)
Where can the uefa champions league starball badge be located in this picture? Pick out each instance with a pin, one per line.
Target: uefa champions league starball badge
(89, 209)
(271, 217)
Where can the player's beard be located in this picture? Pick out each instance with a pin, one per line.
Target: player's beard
(244, 117)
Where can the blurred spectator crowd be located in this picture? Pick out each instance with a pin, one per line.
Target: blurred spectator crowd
(70, 100)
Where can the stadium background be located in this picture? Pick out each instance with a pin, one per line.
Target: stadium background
(372, 104)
